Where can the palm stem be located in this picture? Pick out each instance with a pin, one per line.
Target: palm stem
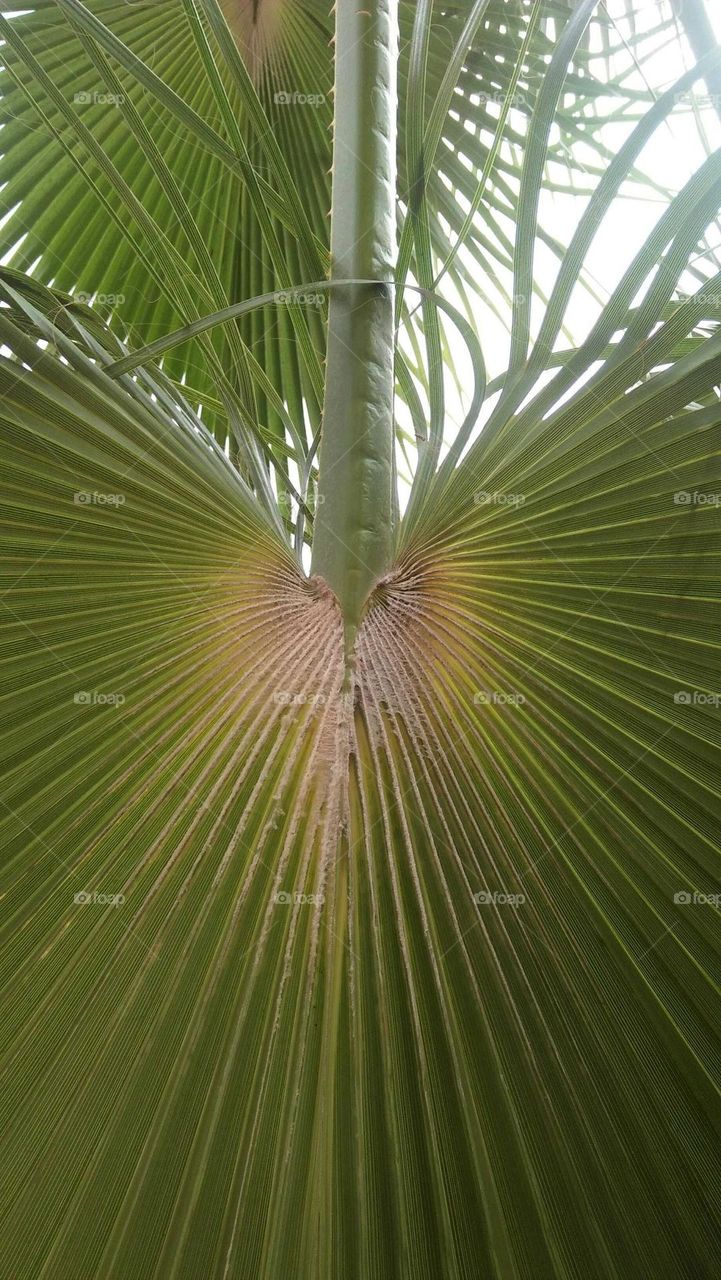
(353, 539)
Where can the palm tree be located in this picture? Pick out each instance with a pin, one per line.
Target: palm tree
(359, 816)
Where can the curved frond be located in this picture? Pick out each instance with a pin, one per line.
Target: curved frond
(388, 959)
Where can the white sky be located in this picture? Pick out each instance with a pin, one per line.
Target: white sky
(674, 152)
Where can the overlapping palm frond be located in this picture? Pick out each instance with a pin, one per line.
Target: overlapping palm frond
(400, 967)
(203, 185)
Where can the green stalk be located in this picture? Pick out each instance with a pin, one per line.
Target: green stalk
(353, 541)
(695, 21)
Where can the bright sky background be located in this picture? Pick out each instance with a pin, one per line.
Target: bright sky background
(674, 152)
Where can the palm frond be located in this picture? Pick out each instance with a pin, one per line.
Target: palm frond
(400, 962)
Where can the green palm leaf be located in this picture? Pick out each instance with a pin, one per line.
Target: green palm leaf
(129, 75)
(391, 961)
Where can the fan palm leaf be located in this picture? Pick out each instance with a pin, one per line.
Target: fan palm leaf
(376, 941)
